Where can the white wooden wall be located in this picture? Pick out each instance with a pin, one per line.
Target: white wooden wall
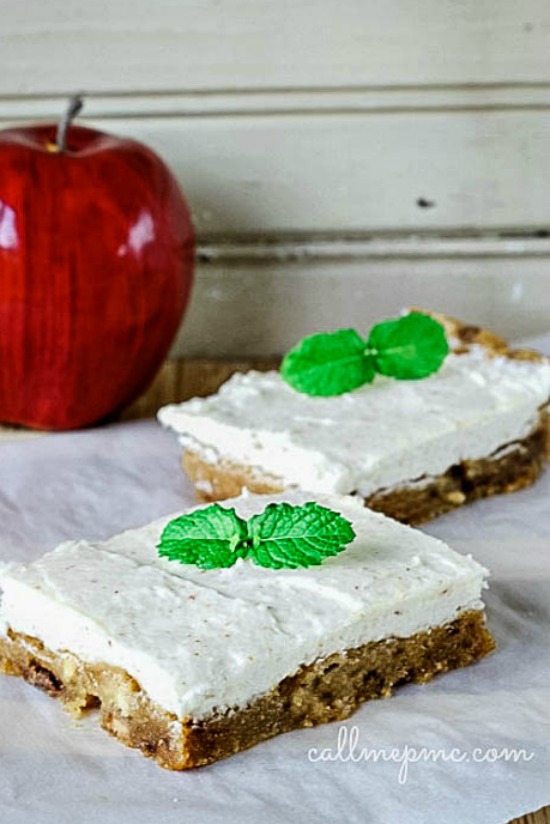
(342, 158)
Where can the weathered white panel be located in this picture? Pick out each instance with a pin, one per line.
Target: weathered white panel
(52, 46)
(356, 172)
(255, 301)
(312, 119)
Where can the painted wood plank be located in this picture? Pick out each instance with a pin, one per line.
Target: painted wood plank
(356, 172)
(291, 101)
(130, 45)
(254, 305)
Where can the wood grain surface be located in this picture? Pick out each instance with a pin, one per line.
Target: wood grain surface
(541, 816)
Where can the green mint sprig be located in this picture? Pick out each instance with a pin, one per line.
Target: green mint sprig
(282, 536)
(332, 363)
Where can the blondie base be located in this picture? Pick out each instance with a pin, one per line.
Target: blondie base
(330, 689)
(513, 467)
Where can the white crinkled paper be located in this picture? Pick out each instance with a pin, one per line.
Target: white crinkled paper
(431, 753)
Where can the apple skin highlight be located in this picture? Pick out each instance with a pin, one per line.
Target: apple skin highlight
(96, 266)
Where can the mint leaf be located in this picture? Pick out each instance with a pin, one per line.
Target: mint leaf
(283, 536)
(297, 536)
(210, 538)
(328, 364)
(408, 348)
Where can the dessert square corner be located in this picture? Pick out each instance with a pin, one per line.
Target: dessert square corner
(193, 665)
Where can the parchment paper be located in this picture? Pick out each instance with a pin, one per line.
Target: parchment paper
(53, 769)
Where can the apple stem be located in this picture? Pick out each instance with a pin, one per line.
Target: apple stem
(74, 105)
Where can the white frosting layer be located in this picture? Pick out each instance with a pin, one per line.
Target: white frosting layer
(200, 640)
(385, 434)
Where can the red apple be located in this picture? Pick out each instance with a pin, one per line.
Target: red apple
(96, 265)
